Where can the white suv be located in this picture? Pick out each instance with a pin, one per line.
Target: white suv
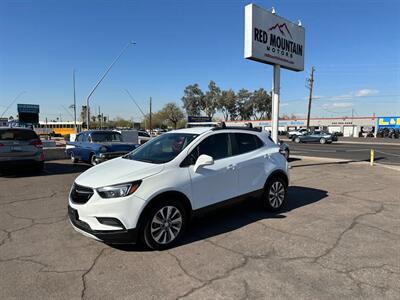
(151, 193)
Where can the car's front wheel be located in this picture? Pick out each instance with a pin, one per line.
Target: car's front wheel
(274, 194)
(297, 140)
(93, 160)
(322, 141)
(73, 158)
(165, 224)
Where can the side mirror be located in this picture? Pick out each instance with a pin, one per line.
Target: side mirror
(203, 160)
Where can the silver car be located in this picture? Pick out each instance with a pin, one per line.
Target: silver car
(20, 146)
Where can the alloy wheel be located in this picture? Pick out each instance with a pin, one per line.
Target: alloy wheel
(166, 225)
(276, 194)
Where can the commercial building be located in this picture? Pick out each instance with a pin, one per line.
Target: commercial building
(350, 127)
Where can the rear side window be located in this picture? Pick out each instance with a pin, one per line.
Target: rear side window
(17, 134)
(247, 142)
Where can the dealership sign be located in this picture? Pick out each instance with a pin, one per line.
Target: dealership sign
(272, 39)
(28, 108)
(391, 122)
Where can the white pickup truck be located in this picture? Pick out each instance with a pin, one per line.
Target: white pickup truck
(296, 132)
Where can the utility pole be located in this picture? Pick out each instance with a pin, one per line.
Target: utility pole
(310, 87)
(150, 116)
(73, 79)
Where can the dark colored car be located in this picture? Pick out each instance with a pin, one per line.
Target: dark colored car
(96, 146)
(20, 146)
(315, 137)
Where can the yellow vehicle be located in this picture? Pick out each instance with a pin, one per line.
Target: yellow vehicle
(63, 128)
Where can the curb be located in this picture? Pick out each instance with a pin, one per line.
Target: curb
(339, 160)
(359, 143)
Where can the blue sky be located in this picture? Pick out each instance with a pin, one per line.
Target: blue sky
(354, 46)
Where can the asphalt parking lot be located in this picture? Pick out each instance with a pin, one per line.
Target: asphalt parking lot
(337, 237)
(385, 153)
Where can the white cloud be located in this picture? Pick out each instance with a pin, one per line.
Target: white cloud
(366, 92)
(342, 104)
(284, 104)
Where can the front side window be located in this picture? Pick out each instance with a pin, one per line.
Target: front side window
(162, 149)
(217, 146)
(100, 137)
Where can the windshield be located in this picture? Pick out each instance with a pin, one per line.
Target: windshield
(106, 137)
(163, 148)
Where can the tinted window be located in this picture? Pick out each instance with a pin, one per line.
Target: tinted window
(163, 148)
(145, 134)
(247, 142)
(17, 134)
(79, 138)
(217, 146)
(106, 137)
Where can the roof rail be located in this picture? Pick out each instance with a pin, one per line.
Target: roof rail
(237, 128)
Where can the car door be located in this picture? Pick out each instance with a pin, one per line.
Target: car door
(77, 147)
(251, 158)
(217, 182)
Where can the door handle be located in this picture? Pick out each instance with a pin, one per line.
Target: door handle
(231, 167)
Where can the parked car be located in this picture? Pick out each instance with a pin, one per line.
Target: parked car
(20, 146)
(297, 132)
(315, 136)
(151, 193)
(143, 137)
(96, 146)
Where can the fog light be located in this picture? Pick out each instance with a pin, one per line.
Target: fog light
(111, 222)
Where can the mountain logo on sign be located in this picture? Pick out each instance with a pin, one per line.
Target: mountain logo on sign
(284, 26)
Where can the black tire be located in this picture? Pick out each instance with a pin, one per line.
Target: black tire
(152, 230)
(73, 158)
(274, 194)
(297, 140)
(92, 159)
(322, 141)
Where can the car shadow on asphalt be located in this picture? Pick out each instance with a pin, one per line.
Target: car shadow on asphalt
(50, 168)
(236, 216)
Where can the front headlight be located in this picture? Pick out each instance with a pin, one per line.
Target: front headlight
(120, 190)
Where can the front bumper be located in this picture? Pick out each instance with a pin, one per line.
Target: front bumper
(109, 155)
(121, 236)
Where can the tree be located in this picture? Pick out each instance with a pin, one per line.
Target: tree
(193, 99)
(262, 104)
(227, 104)
(244, 105)
(172, 113)
(211, 99)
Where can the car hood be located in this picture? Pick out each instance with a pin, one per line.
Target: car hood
(118, 170)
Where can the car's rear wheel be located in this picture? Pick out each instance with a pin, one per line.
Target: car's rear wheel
(322, 141)
(297, 140)
(165, 224)
(274, 195)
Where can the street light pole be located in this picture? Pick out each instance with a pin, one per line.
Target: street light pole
(101, 79)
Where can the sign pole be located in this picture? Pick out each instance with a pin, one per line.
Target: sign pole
(275, 101)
